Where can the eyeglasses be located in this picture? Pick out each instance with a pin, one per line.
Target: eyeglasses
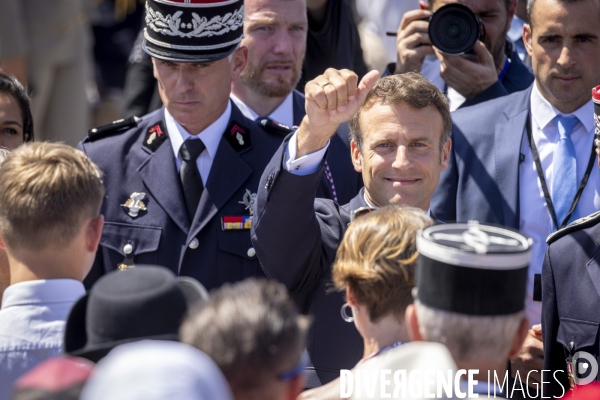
(297, 370)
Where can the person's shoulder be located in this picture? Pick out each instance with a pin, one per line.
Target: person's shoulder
(484, 116)
(586, 225)
(122, 129)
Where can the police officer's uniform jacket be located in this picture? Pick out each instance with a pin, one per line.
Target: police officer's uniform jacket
(140, 160)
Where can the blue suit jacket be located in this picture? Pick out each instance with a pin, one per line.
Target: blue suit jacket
(346, 180)
(570, 298)
(162, 234)
(518, 77)
(482, 178)
(296, 238)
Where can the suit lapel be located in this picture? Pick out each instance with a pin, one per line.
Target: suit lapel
(228, 173)
(508, 137)
(160, 176)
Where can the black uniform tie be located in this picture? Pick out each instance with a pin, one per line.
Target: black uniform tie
(191, 180)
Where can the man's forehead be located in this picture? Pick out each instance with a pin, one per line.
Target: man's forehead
(378, 116)
(274, 11)
(555, 15)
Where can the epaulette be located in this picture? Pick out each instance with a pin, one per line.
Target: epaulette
(274, 127)
(113, 128)
(576, 225)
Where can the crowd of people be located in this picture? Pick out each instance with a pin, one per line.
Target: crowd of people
(269, 219)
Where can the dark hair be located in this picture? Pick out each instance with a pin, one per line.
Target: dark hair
(409, 88)
(251, 329)
(11, 86)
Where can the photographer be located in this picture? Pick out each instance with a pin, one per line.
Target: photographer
(494, 70)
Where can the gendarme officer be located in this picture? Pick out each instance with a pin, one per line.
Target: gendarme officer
(181, 181)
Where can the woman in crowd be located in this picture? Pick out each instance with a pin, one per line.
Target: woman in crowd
(16, 122)
(375, 265)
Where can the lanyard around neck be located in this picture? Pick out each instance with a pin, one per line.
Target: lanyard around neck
(540, 173)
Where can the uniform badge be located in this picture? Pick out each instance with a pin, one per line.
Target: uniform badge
(155, 136)
(238, 222)
(249, 201)
(134, 204)
(238, 136)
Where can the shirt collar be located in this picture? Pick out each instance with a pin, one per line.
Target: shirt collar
(211, 136)
(284, 113)
(543, 112)
(372, 206)
(42, 292)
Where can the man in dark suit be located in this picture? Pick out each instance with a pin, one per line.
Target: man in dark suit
(275, 35)
(400, 143)
(181, 181)
(493, 175)
(494, 71)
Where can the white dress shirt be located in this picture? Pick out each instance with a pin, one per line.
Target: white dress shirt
(32, 324)
(211, 137)
(284, 113)
(535, 220)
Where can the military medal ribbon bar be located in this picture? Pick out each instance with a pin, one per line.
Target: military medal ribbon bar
(236, 222)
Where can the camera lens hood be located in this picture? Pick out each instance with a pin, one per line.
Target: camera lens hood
(454, 29)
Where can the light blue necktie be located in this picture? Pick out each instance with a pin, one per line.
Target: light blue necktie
(564, 175)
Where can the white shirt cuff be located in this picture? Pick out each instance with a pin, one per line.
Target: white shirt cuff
(305, 165)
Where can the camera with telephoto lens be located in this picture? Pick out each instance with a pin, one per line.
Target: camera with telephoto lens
(454, 29)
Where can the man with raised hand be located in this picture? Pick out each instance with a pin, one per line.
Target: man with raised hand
(400, 130)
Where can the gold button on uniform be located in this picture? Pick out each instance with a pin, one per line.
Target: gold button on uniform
(194, 244)
(127, 249)
(251, 252)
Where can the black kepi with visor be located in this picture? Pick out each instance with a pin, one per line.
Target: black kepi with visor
(193, 30)
(472, 269)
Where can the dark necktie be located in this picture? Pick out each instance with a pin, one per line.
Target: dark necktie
(191, 181)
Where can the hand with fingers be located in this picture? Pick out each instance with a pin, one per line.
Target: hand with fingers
(469, 76)
(530, 360)
(412, 41)
(331, 99)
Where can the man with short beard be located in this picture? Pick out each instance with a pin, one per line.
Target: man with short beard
(275, 34)
(495, 69)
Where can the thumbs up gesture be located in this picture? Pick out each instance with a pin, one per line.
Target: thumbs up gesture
(331, 99)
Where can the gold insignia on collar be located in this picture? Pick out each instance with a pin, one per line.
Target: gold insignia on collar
(135, 204)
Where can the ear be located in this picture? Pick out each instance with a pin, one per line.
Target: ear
(154, 71)
(527, 36)
(519, 337)
(356, 156)
(238, 62)
(412, 323)
(446, 154)
(350, 297)
(94, 233)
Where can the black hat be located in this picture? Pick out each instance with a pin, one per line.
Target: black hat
(146, 302)
(193, 30)
(472, 269)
